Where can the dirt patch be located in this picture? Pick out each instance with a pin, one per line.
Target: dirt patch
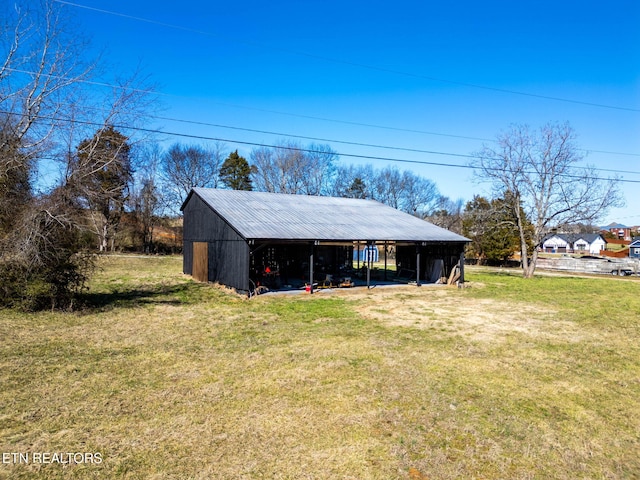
(448, 311)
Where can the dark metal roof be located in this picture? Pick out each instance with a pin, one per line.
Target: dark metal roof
(261, 215)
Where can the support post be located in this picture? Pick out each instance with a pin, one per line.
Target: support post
(311, 268)
(418, 265)
(461, 281)
(369, 256)
(385, 261)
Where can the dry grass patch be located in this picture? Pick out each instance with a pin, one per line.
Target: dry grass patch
(442, 311)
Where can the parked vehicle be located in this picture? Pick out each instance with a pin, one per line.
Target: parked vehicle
(622, 271)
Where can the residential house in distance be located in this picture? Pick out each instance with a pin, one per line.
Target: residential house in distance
(621, 232)
(587, 243)
(634, 248)
(555, 243)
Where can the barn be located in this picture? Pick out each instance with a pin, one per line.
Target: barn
(244, 239)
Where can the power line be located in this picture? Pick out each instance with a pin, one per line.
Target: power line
(90, 82)
(317, 139)
(343, 142)
(305, 150)
(627, 154)
(193, 122)
(139, 19)
(383, 127)
(311, 117)
(255, 109)
(357, 124)
(355, 64)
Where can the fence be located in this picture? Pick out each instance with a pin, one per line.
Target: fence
(619, 254)
(577, 265)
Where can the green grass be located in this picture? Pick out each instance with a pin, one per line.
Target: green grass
(168, 378)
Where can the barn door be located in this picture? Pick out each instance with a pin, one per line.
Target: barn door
(200, 270)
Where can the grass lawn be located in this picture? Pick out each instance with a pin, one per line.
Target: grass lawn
(166, 378)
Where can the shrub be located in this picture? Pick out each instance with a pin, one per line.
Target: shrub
(41, 261)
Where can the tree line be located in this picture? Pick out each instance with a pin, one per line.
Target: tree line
(289, 167)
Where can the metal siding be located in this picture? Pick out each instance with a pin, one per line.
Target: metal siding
(229, 263)
(228, 252)
(187, 257)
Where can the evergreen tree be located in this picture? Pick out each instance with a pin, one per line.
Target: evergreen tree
(16, 169)
(100, 177)
(357, 189)
(492, 228)
(235, 172)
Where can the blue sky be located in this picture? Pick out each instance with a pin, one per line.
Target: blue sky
(423, 75)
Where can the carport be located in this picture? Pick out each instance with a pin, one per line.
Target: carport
(247, 239)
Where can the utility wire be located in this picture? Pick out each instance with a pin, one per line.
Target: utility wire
(355, 64)
(344, 142)
(255, 109)
(316, 139)
(384, 127)
(344, 122)
(305, 150)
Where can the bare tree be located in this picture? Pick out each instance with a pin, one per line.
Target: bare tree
(447, 213)
(320, 169)
(41, 67)
(45, 265)
(280, 169)
(420, 194)
(291, 168)
(541, 170)
(388, 188)
(353, 181)
(184, 167)
(312, 170)
(40, 62)
(405, 191)
(146, 201)
(48, 106)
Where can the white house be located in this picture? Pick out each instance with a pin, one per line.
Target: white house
(557, 243)
(590, 243)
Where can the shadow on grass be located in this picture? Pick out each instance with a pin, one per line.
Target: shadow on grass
(147, 295)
